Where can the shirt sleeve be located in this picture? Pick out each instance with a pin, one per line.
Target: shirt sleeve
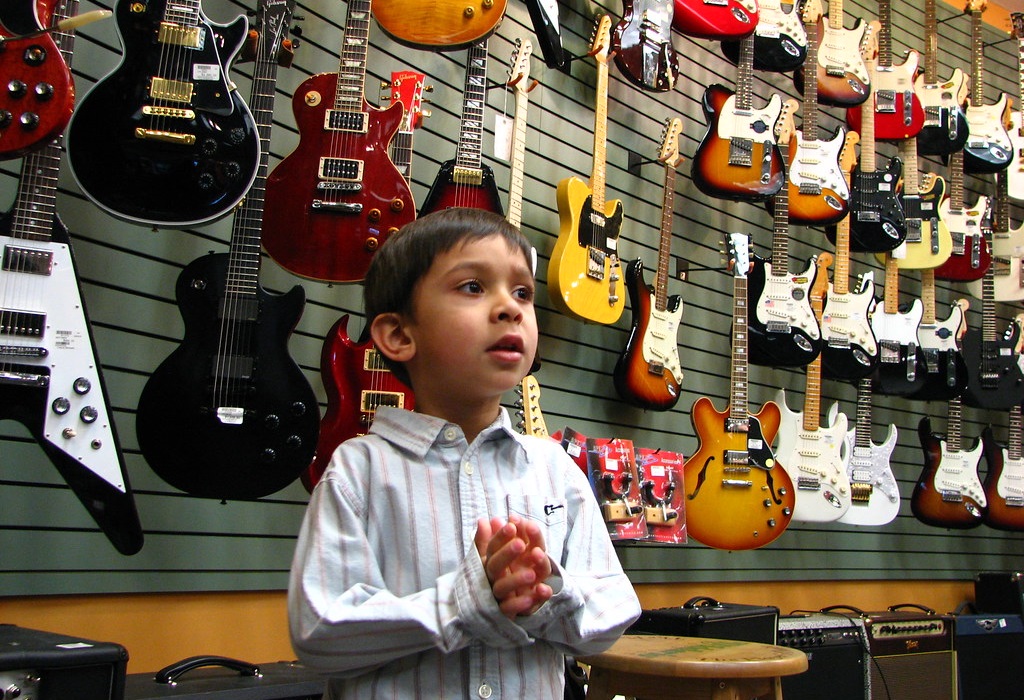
(594, 602)
(344, 621)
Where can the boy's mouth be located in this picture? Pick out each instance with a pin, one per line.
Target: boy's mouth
(510, 343)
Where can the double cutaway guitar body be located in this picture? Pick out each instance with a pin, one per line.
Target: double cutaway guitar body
(647, 373)
(843, 79)
(1004, 484)
(738, 157)
(945, 127)
(783, 330)
(234, 423)
(948, 492)
(994, 379)
(642, 45)
(737, 497)
(849, 350)
(780, 41)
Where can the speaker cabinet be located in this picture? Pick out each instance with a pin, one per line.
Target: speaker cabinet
(48, 666)
(836, 657)
(999, 592)
(990, 655)
(912, 655)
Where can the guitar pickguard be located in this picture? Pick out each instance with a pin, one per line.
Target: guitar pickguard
(945, 127)
(988, 148)
(783, 330)
(900, 370)
(849, 349)
(843, 79)
(875, 494)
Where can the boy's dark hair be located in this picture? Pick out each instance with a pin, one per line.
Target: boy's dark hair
(407, 255)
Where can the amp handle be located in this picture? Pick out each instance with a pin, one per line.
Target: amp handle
(170, 674)
(842, 608)
(701, 601)
(913, 606)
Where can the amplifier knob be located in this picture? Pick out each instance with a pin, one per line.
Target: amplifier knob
(12, 691)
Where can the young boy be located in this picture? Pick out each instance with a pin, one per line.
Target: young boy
(444, 555)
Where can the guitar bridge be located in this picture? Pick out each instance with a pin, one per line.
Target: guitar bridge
(952, 496)
(861, 493)
(778, 327)
(171, 112)
(595, 263)
(741, 152)
(29, 379)
(370, 401)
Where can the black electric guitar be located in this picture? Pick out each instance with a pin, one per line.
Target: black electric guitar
(946, 371)
(229, 414)
(642, 44)
(994, 378)
(945, 122)
(165, 139)
(50, 377)
(780, 42)
(877, 222)
(783, 330)
(648, 372)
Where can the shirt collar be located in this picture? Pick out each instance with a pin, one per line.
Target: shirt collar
(418, 432)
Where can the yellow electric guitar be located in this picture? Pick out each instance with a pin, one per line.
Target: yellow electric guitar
(585, 274)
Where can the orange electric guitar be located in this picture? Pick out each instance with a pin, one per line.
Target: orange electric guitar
(585, 275)
(737, 495)
(439, 25)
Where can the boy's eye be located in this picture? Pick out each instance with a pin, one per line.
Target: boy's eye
(473, 287)
(524, 293)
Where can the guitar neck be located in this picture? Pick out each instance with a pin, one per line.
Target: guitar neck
(597, 177)
(1018, 24)
(401, 152)
(1000, 223)
(928, 296)
(835, 15)
(867, 127)
(911, 182)
(665, 242)
(812, 396)
(977, 60)
(931, 44)
(1013, 441)
(348, 95)
(745, 74)
(953, 425)
(892, 285)
(780, 225)
(183, 13)
(885, 34)
(738, 372)
(518, 162)
(468, 154)
(862, 436)
(810, 123)
(956, 181)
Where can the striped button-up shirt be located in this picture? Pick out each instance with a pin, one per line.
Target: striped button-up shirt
(388, 594)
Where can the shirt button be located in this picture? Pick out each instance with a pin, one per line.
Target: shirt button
(450, 434)
(468, 468)
(484, 691)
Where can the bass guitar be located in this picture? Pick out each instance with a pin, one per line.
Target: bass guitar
(40, 94)
(165, 140)
(50, 377)
(439, 25)
(843, 78)
(584, 274)
(994, 377)
(874, 493)
(812, 454)
(849, 350)
(877, 222)
(901, 368)
(970, 256)
(818, 192)
(335, 199)
(720, 20)
(898, 111)
(783, 330)
(1015, 130)
(1004, 482)
(988, 148)
(946, 375)
(648, 371)
(737, 495)
(466, 181)
(780, 42)
(642, 45)
(945, 123)
(738, 157)
(948, 493)
(228, 414)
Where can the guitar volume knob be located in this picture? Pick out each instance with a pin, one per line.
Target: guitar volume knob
(43, 91)
(16, 88)
(34, 55)
(268, 455)
(29, 121)
(5, 118)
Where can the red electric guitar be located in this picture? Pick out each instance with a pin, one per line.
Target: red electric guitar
(642, 44)
(40, 94)
(338, 196)
(737, 495)
(970, 256)
(720, 20)
(898, 111)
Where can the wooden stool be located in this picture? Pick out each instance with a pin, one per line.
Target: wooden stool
(655, 667)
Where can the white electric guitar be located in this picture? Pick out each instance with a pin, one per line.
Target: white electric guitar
(875, 495)
(810, 453)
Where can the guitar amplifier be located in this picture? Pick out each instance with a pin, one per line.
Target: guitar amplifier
(912, 654)
(222, 678)
(989, 651)
(48, 666)
(837, 657)
(999, 592)
(706, 617)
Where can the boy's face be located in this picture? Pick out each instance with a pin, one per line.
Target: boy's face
(473, 322)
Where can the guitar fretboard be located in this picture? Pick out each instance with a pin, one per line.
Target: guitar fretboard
(931, 44)
(780, 223)
(518, 161)
(862, 436)
(885, 35)
(738, 373)
(977, 60)
(665, 242)
(1000, 224)
(1013, 439)
(810, 123)
(348, 95)
(597, 176)
(745, 74)
(953, 425)
(835, 15)
(184, 12)
(468, 154)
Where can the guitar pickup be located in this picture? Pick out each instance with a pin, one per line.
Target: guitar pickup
(165, 136)
(233, 367)
(28, 352)
(1014, 501)
(778, 327)
(26, 324)
(810, 188)
(171, 112)
(345, 169)
(736, 457)
(28, 260)
(177, 35)
(952, 496)
(173, 90)
(656, 369)
(370, 401)
(885, 101)
(834, 70)
(345, 120)
(30, 379)
(741, 152)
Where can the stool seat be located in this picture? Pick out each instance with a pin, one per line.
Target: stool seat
(657, 667)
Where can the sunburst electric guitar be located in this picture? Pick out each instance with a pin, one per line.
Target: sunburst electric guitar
(585, 275)
(439, 25)
(737, 496)
(843, 78)
(1004, 482)
(648, 372)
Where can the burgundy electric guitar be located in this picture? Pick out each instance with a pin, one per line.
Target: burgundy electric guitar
(466, 181)
(642, 44)
(720, 20)
(337, 197)
(40, 94)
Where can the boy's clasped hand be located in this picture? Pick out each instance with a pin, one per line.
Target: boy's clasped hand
(516, 564)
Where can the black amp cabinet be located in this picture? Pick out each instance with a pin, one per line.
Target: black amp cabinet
(912, 654)
(990, 655)
(706, 617)
(999, 592)
(49, 666)
(837, 657)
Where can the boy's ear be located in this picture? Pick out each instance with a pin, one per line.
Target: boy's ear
(390, 337)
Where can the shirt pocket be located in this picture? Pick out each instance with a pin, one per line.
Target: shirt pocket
(548, 512)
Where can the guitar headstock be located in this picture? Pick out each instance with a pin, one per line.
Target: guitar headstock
(848, 154)
(407, 87)
(601, 42)
(533, 420)
(669, 151)
(1017, 24)
(820, 286)
(869, 44)
(737, 248)
(784, 125)
(271, 24)
(811, 12)
(519, 66)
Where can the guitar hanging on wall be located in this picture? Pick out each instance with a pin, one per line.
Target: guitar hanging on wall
(843, 79)
(946, 371)
(229, 415)
(335, 199)
(945, 122)
(642, 44)
(584, 273)
(720, 20)
(737, 496)
(1015, 130)
(519, 81)
(1004, 482)
(901, 369)
(439, 25)
(1007, 266)
(50, 378)
(988, 148)
(970, 256)
(648, 371)
(165, 140)
(40, 94)
(780, 42)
